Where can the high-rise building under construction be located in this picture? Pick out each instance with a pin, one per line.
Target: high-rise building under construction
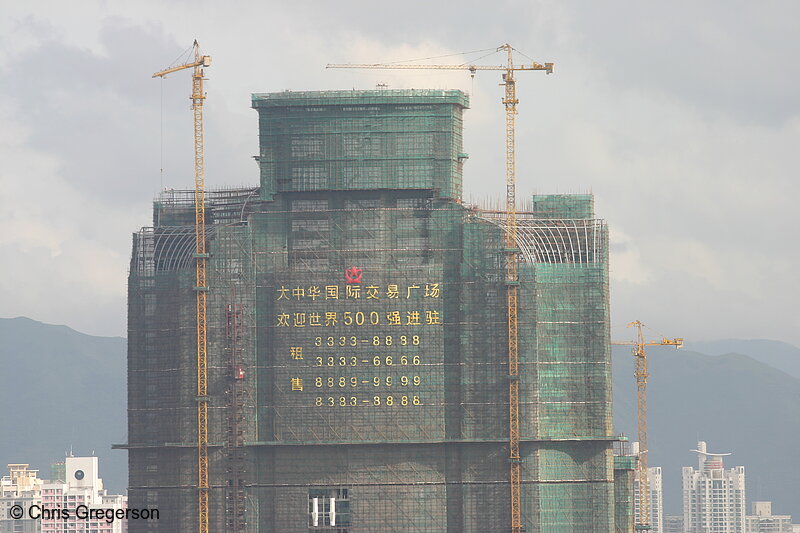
(357, 339)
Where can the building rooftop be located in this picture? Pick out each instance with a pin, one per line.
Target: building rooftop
(373, 97)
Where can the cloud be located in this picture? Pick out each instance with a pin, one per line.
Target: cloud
(681, 118)
(716, 57)
(52, 270)
(626, 260)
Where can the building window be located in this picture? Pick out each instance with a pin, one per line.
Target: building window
(311, 264)
(414, 203)
(309, 244)
(328, 510)
(304, 177)
(360, 145)
(306, 147)
(309, 205)
(311, 224)
(365, 203)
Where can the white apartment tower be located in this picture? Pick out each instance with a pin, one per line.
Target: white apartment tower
(656, 499)
(656, 492)
(83, 488)
(713, 498)
(23, 488)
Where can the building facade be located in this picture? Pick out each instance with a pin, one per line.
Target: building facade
(763, 521)
(656, 496)
(656, 499)
(673, 524)
(625, 465)
(62, 505)
(21, 487)
(713, 498)
(80, 495)
(357, 337)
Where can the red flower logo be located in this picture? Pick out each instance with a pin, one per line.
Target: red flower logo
(353, 275)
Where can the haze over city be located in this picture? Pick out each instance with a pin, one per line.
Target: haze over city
(680, 118)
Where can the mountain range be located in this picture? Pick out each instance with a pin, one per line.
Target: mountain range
(736, 402)
(62, 390)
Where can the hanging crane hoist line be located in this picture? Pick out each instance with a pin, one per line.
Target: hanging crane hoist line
(200, 61)
(641, 374)
(510, 102)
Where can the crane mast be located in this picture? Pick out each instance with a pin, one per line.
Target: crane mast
(641, 374)
(512, 289)
(510, 102)
(201, 286)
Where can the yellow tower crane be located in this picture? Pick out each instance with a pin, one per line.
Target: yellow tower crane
(640, 358)
(201, 287)
(510, 102)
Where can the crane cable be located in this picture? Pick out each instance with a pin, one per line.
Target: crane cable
(445, 55)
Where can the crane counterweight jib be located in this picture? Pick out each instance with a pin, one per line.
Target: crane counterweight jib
(203, 61)
(547, 67)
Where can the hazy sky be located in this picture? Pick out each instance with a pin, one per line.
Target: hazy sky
(683, 118)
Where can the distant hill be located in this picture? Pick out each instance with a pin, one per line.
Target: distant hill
(733, 402)
(61, 389)
(780, 355)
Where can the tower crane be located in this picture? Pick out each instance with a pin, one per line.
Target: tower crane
(201, 287)
(640, 358)
(510, 102)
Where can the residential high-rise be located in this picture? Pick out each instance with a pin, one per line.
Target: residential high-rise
(656, 499)
(357, 337)
(21, 487)
(80, 494)
(75, 503)
(763, 521)
(673, 524)
(656, 496)
(713, 498)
